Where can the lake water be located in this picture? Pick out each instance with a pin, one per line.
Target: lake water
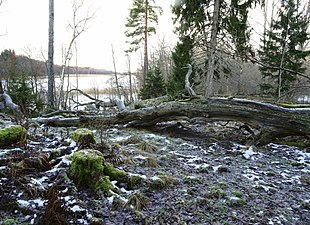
(101, 86)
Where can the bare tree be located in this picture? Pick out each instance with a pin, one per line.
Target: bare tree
(50, 61)
(115, 74)
(78, 26)
(130, 79)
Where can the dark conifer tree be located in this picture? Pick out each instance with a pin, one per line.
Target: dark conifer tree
(282, 48)
(181, 56)
(154, 85)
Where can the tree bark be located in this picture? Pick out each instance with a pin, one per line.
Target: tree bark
(271, 120)
(115, 74)
(211, 53)
(50, 62)
(187, 83)
(146, 60)
(6, 101)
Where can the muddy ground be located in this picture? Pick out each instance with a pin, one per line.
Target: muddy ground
(176, 174)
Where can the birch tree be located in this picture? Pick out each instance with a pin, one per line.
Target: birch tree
(50, 62)
(78, 26)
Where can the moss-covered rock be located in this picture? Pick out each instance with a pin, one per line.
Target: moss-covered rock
(87, 166)
(113, 173)
(12, 135)
(84, 136)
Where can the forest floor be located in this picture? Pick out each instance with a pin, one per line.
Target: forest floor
(178, 173)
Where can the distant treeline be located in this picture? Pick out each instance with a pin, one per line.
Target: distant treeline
(9, 62)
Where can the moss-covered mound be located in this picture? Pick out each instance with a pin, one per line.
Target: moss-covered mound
(12, 135)
(90, 171)
(84, 136)
(113, 173)
(87, 166)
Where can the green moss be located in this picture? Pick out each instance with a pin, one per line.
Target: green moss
(84, 135)
(113, 173)
(157, 184)
(87, 165)
(163, 180)
(169, 180)
(297, 143)
(134, 181)
(222, 185)
(237, 194)
(236, 201)
(295, 163)
(9, 222)
(292, 105)
(193, 180)
(104, 185)
(217, 192)
(12, 135)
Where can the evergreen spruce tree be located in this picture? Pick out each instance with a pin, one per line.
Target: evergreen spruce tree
(282, 48)
(154, 85)
(213, 25)
(181, 56)
(22, 94)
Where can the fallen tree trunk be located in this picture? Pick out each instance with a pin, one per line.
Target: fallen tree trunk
(272, 121)
(6, 101)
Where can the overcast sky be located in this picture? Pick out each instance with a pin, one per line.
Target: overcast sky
(24, 25)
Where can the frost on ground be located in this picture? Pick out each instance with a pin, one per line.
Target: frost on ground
(170, 180)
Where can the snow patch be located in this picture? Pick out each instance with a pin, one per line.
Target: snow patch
(77, 208)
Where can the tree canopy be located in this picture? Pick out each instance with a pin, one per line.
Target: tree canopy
(143, 17)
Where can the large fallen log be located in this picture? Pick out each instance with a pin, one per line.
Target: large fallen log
(272, 121)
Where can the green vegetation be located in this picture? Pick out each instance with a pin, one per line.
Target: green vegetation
(193, 180)
(87, 166)
(12, 135)
(134, 181)
(216, 192)
(9, 222)
(181, 56)
(104, 185)
(154, 85)
(163, 180)
(280, 49)
(113, 173)
(23, 95)
(141, 23)
(84, 135)
(236, 201)
(91, 171)
(137, 200)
